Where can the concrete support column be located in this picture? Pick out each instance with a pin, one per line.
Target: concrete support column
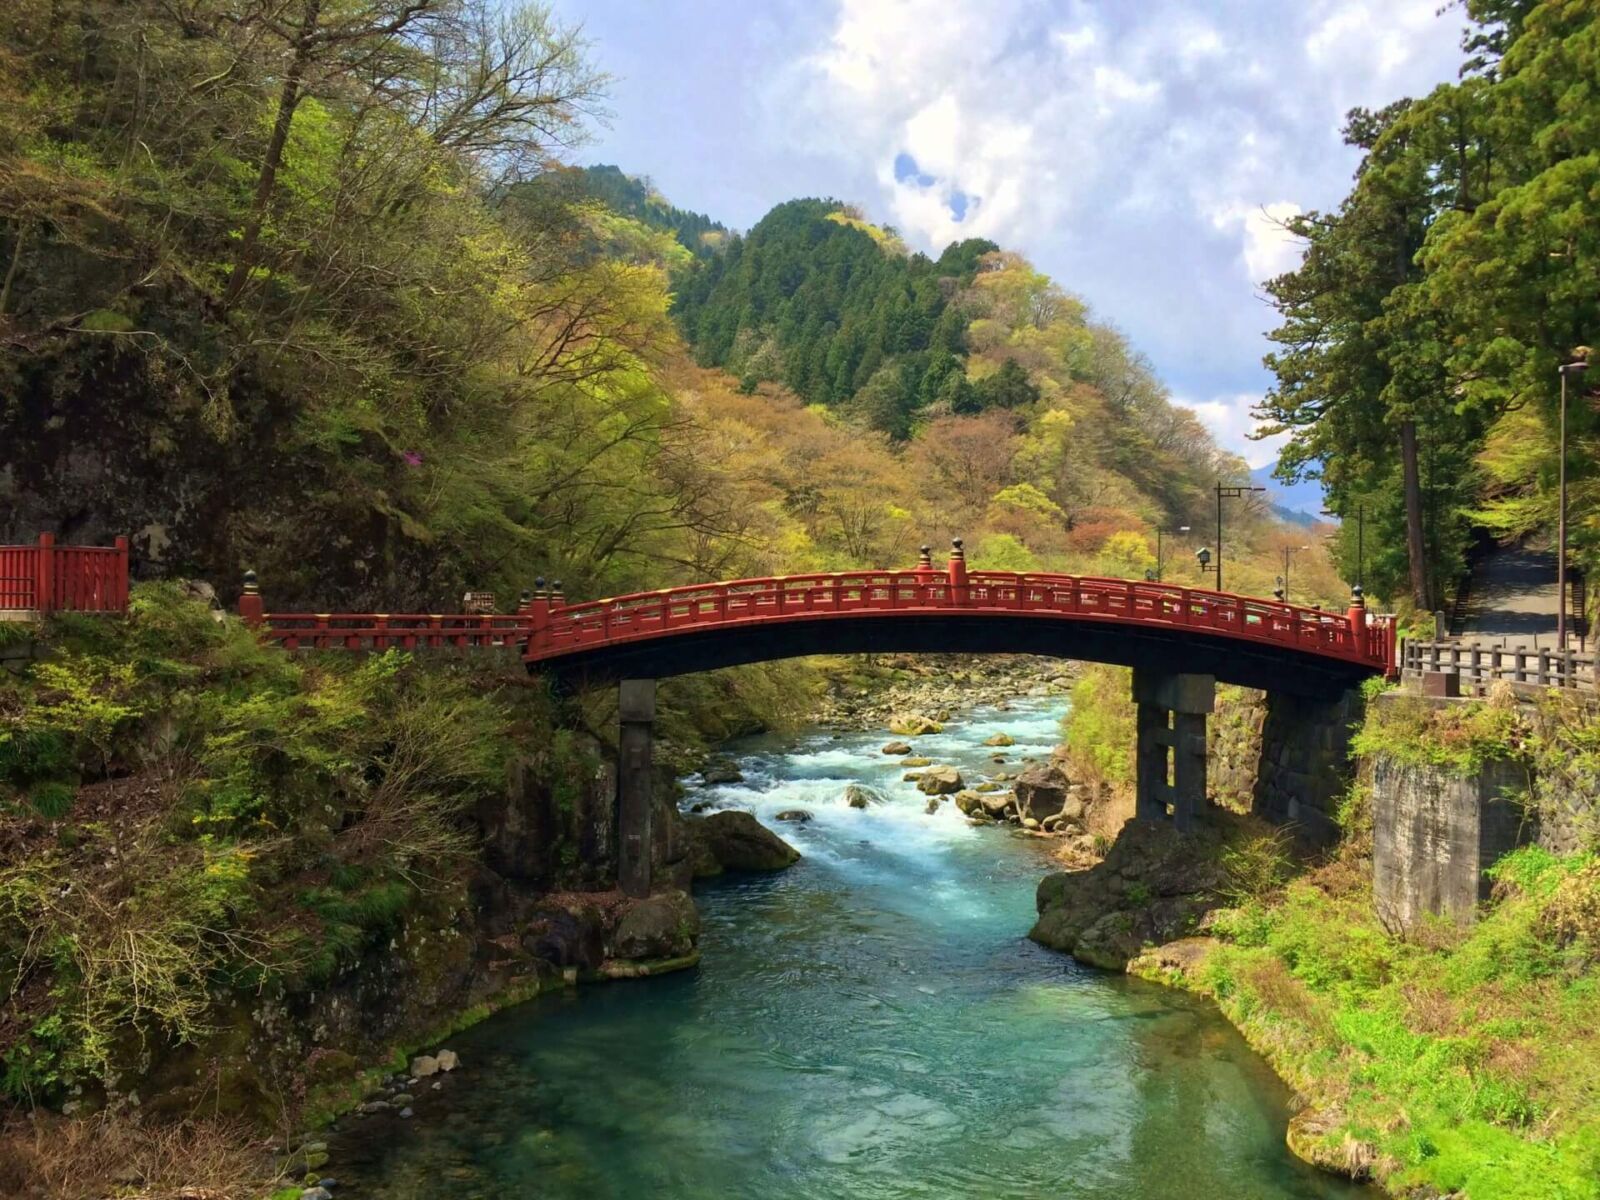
(1170, 762)
(636, 706)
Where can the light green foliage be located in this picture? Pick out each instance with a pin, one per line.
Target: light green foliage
(297, 812)
(1099, 726)
(1458, 738)
(1482, 1040)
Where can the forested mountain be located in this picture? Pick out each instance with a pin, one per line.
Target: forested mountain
(319, 302)
(1422, 336)
(638, 199)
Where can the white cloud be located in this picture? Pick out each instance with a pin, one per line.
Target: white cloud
(1229, 420)
(1144, 155)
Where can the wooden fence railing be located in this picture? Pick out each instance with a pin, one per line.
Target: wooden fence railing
(47, 578)
(1485, 662)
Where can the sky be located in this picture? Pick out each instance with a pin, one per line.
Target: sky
(1141, 152)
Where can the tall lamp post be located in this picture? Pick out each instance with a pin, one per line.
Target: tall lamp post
(1577, 367)
(1204, 555)
(1159, 531)
(1288, 553)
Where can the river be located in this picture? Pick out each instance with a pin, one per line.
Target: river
(870, 1023)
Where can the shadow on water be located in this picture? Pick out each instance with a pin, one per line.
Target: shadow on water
(870, 1023)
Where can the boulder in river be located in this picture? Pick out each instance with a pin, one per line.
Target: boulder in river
(969, 802)
(1000, 739)
(798, 815)
(897, 748)
(912, 724)
(1042, 791)
(916, 762)
(739, 842)
(859, 795)
(933, 804)
(998, 805)
(664, 925)
(941, 781)
(722, 772)
(566, 934)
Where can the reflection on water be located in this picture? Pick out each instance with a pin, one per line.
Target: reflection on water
(870, 1023)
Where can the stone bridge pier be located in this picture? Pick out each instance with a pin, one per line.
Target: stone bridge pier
(1170, 758)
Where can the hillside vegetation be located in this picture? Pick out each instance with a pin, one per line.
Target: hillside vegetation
(320, 299)
(1421, 339)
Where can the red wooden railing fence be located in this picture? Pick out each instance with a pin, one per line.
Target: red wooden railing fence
(47, 578)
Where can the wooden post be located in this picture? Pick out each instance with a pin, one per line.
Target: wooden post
(958, 573)
(120, 587)
(44, 587)
(636, 707)
(250, 606)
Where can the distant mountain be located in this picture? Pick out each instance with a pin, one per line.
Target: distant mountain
(1299, 503)
(634, 196)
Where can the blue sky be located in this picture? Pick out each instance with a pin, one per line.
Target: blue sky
(1138, 151)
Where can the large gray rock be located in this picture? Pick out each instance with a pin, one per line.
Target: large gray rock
(566, 935)
(1153, 887)
(665, 925)
(736, 841)
(1042, 791)
(940, 781)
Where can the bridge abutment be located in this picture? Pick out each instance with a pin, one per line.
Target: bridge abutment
(636, 709)
(1170, 762)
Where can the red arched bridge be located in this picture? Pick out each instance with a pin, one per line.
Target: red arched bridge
(1257, 643)
(1179, 641)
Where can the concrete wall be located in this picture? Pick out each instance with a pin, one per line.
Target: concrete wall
(1435, 834)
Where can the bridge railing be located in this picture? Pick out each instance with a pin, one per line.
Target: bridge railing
(1479, 664)
(46, 578)
(646, 614)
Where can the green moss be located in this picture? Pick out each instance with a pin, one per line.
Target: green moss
(1458, 737)
(1484, 1039)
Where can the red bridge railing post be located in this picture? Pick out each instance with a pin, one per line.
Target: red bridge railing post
(1358, 622)
(958, 572)
(44, 588)
(250, 605)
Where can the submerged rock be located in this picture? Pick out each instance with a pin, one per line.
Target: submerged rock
(933, 804)
(736, 841)
(722, 772)
(798, 815)
(916, 762)
(859, 795)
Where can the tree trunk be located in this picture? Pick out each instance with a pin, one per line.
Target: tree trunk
(288, 101)
(1415, 548)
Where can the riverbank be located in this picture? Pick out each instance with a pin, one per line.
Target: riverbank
(1436, 1059)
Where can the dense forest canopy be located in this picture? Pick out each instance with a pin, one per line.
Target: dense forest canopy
(1422, 336)
(307, 286)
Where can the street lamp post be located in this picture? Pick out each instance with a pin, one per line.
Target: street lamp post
(1288, 552)
(1567, 369)
(1232, 493)
(1159, 531)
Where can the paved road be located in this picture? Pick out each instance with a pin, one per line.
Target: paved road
(1513, 597)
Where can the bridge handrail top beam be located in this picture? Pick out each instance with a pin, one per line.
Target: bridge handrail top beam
(938, 577)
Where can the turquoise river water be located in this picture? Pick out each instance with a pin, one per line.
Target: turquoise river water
(870, 1023)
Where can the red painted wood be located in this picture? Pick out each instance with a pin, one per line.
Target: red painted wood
(747, 602)
(46, 578)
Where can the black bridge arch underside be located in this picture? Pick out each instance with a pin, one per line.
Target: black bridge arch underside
(1165, 650)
